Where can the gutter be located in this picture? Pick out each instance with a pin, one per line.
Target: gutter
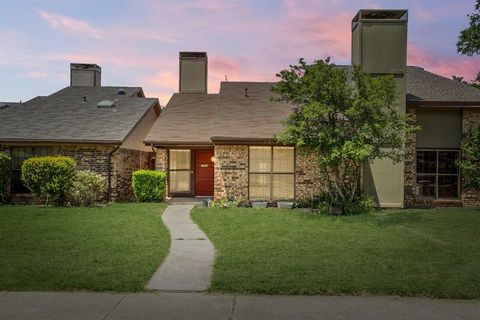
(110, 154)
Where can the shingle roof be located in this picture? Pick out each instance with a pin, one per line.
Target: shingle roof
(200, 118)
(196, 118)
(64, 116)
(426, 86)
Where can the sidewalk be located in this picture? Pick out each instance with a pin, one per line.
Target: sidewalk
(188, 266)
(85, 305)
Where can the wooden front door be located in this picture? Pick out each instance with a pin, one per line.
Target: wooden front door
(203, 173)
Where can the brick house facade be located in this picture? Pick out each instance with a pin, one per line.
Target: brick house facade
(467, 198)
(115, 165)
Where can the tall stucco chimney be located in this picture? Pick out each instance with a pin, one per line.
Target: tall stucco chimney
(193, 72)
(85, 75)
(379, 46)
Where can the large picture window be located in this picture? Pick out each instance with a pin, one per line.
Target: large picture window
(271, 173)
(179, 171)
(437, 173)
(20, 154)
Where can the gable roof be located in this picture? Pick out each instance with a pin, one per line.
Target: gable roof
(200, 119)
(64, 116)
(194, 119)
(425, 86)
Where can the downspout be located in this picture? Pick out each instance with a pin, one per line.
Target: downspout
(154, 150)
(110, 172)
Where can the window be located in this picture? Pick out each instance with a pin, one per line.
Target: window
(437, 173)
(271, 173)
(179, 171)
(19, 154)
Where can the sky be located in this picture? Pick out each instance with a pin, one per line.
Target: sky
(136, 43)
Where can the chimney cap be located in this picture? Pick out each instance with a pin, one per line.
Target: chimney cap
(85, 66)
(381, 14)
(193, 54)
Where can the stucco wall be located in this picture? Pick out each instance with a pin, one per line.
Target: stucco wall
(137, 136)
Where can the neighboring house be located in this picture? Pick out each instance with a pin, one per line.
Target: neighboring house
(222, 145)
(102, 128)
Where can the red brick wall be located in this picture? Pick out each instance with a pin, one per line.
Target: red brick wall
(95, 158)
(468, 198)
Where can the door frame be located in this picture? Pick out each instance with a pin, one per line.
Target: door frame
(195, 172)
(192, 170)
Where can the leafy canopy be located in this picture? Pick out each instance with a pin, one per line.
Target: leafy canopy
(470, 163)
(344, 117)
(469, 41)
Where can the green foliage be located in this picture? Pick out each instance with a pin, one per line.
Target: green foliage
(49, 177)
(87, 189)
(5, 176)
(475, 83)
(470, 164)
(149, 185)
(342, 118)
(469, 39)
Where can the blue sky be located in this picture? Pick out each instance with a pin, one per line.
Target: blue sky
(137, 42)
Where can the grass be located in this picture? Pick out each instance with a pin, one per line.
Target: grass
(434, 253)
(116, 248)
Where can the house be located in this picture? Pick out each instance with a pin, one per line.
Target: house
(102, 128)
(221, 145)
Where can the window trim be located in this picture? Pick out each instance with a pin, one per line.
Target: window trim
(15, 171)
(271, 173)
(190, 170)
(437, 174)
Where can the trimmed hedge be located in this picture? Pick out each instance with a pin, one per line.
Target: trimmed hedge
(5, 176)
(88, 188)
(149, 185)
(49, 178)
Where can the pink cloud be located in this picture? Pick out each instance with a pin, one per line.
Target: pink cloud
(447, 67)
(68, 24)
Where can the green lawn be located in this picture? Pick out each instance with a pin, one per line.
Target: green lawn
(116, 248)
(432, 253)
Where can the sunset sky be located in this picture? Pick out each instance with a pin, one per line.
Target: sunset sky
(137, 42)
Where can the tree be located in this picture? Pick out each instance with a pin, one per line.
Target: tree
(469, 41)
(344, 118)
(475, 83)
(470, 163)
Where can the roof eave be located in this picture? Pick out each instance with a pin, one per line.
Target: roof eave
(57, 141)
(458, 104)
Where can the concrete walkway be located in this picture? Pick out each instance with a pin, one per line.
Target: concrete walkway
(173, 306)
(188, 266)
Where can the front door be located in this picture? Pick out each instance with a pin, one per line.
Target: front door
(204, 173)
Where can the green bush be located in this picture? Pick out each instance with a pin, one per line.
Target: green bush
(5, 175)
(149, 185)
(470, 163)
(88, 188)
(49, 178)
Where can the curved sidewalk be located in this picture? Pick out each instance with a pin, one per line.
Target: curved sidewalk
(188, 266)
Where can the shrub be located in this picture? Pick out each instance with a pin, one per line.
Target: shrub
(87, 189)
(470, 163)
(149, 185)
(49, 178)
(5, 175)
